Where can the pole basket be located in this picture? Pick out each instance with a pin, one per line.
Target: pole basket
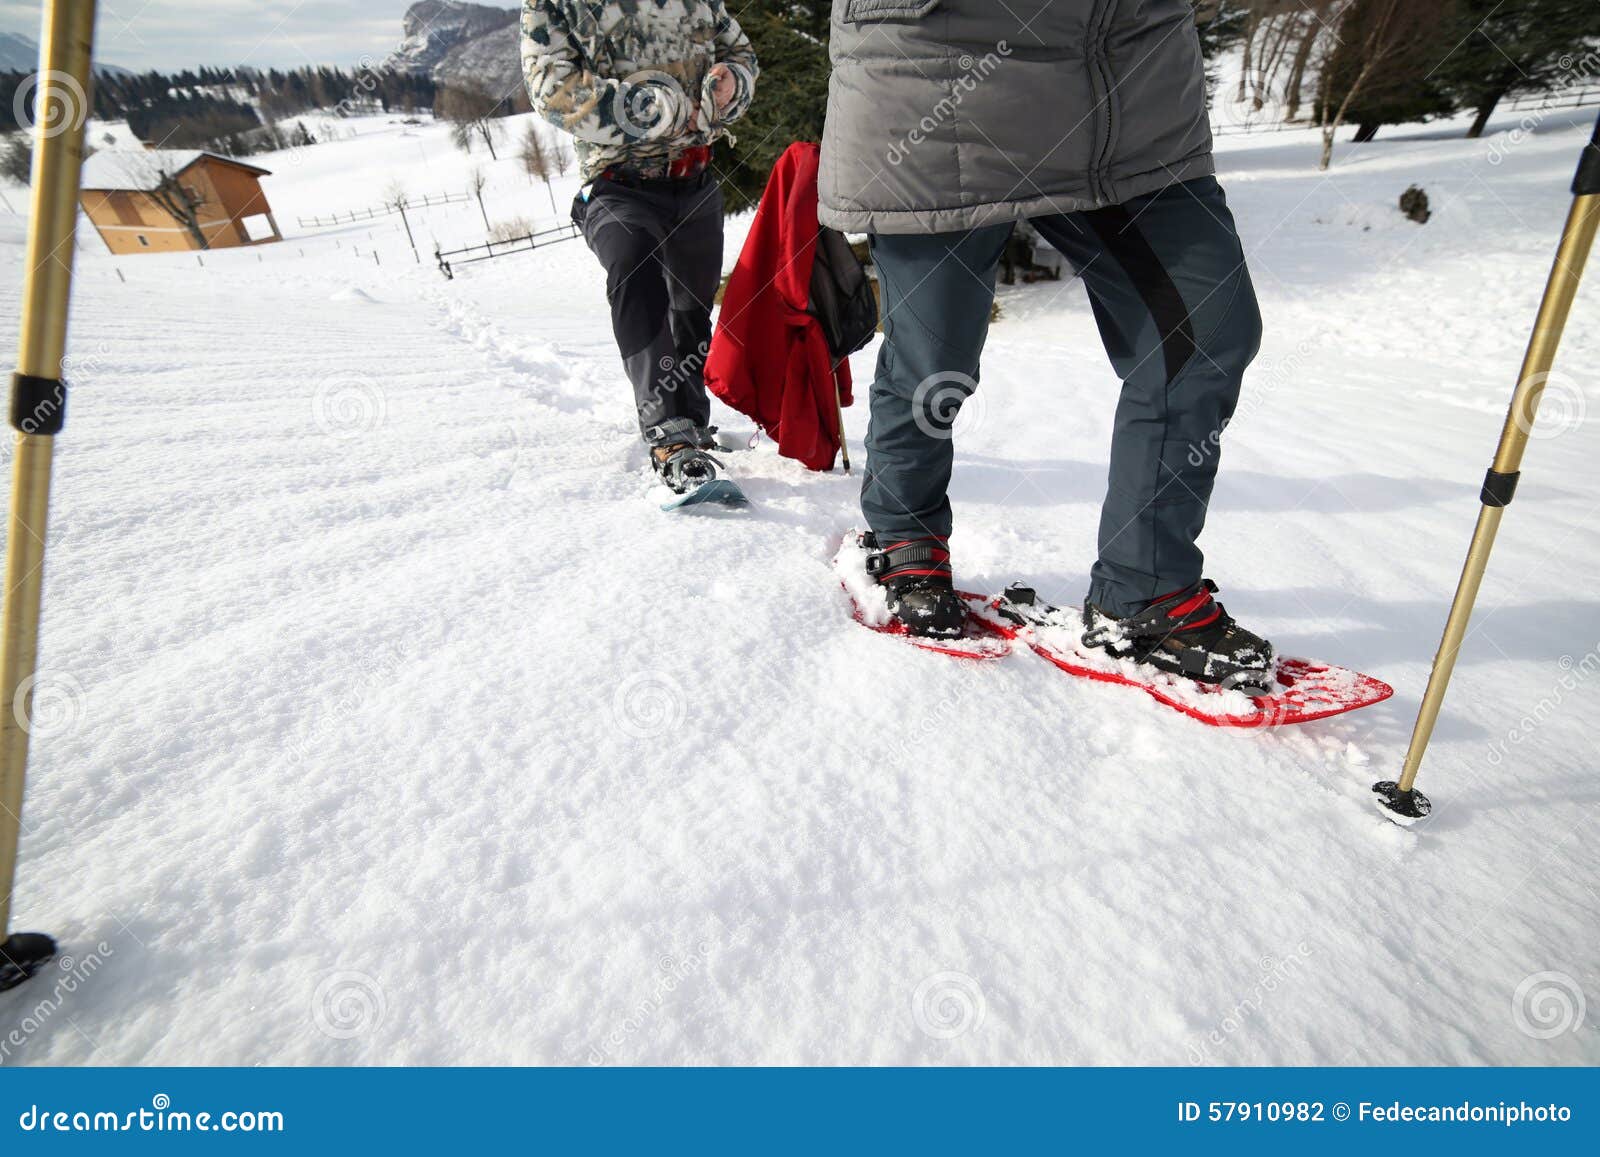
(23, 954)
(1403, 807)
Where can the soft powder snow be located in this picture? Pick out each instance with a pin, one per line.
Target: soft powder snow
(383, 717)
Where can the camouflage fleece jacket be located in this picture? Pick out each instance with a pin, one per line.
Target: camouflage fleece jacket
(629, 79)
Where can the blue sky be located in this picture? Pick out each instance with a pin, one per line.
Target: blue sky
(169, 34)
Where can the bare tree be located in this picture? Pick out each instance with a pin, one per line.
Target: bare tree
(561, 160)
(471, 113)
(154, 176)
(1274, 33)
(1281, 37)
(539, 160)
(1309, 25)
(476, 180)
(1272, 40)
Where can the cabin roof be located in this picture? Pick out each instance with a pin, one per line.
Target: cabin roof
(139, 170)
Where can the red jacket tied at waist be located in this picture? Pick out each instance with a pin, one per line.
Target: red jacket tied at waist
(769, 359)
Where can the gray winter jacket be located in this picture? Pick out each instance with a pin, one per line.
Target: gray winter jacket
(949, 114)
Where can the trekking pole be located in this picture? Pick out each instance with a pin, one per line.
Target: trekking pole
(1402, 802)
(38, 408)
(838, 409)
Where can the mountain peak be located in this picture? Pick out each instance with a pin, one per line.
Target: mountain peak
(462, 44)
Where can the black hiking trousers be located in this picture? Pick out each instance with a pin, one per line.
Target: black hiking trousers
(660, 242)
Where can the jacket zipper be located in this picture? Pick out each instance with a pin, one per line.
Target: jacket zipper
(1100, 32)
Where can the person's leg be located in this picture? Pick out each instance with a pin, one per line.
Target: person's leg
(1170, 291)
(626, 228)
(937, 290)
(692, 254)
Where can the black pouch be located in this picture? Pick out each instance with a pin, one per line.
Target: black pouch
(841, 295)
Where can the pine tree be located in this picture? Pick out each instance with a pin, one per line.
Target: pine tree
(1527, 46)
(1221, 24)
(1406, 86)
(791, 41)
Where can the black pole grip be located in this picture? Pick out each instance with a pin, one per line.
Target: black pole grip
(1587, 182)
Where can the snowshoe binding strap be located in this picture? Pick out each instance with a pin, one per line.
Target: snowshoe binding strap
(1186, 632)
(681, 431)
(906, 558)
(684, 468)
(916, 576)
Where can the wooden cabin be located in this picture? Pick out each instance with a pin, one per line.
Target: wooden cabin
(166, 200)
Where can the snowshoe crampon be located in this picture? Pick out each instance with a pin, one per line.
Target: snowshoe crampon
(1294, 691)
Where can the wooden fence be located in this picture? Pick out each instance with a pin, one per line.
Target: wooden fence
(448, 259)
(353, 215)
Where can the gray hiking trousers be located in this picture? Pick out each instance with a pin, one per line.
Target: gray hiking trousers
(1167, 281)
(660, 242)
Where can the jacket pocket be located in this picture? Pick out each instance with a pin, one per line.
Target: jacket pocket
(862, 11)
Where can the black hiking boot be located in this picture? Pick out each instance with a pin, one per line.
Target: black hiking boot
(1185, 633)
(915, 574)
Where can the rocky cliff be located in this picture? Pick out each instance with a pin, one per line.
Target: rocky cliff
(461, 45)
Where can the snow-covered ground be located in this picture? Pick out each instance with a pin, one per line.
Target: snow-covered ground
(385, 719)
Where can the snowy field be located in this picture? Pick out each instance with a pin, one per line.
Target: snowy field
(385, 719)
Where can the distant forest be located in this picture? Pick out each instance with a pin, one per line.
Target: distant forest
(233, 111)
